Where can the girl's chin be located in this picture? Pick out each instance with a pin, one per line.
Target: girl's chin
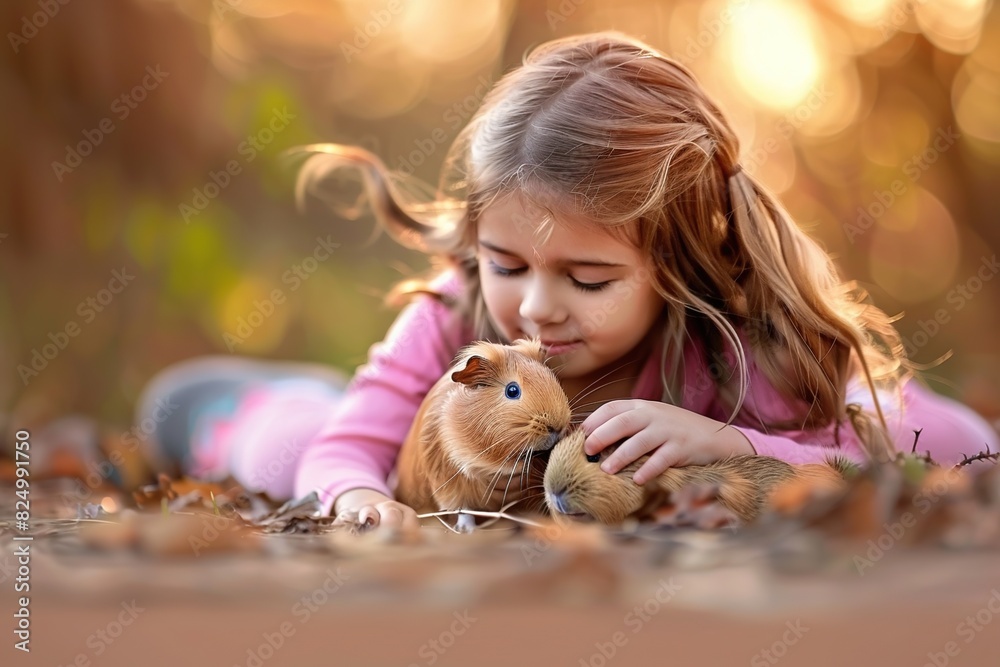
(572, 365)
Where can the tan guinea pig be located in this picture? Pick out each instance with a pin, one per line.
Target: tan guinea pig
(576, 487)
(473, 442)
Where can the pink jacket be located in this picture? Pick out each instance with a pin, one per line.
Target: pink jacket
(357, 447)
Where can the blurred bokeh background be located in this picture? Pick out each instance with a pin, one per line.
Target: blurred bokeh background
(148, 214)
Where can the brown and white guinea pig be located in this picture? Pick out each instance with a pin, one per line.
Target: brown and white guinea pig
(577, 488)
(474, 440)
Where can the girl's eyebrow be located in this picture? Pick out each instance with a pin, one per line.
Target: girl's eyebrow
(562, 262)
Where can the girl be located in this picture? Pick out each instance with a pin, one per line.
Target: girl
(596, 201)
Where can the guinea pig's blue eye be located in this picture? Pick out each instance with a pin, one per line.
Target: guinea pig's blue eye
(593, 458)
(513, 390)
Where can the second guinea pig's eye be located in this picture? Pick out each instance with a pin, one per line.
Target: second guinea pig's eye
(593, 458)
(513, 390)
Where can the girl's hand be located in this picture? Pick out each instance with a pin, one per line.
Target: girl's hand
(369, 509)
(678, 436)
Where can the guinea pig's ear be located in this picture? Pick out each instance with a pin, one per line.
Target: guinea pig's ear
(478, 372)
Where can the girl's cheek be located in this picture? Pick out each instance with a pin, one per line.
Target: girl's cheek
(496, 304)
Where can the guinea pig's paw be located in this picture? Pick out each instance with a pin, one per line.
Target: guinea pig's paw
(466, 523)
(696, 506)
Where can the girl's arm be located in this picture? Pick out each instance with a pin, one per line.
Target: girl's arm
(358, 446)
(815, 446)
(696, 434)
(799, 446)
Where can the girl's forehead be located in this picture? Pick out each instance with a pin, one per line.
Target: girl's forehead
(516, 214)
(563, 247)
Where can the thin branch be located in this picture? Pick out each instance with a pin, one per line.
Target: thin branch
(981, 456)
(495, 515)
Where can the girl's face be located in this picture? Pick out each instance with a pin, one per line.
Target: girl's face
(585, 294)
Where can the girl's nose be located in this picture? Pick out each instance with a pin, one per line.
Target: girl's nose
(540, 302)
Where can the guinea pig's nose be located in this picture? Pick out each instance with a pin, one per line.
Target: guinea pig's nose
(558, 500)
(554, 437)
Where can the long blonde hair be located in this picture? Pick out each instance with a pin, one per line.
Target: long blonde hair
(625, 135)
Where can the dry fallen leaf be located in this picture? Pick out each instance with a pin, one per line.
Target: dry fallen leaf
(187, 535)
(695, 506)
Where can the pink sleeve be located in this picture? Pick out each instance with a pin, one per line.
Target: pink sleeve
(816, 445)
(358, 446)
(798, 447)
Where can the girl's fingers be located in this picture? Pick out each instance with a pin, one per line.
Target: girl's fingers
(368, 517)
(410, 520)
(629, 451)
(603, 414)
(618, 423)
(392, 516)
(661, 460)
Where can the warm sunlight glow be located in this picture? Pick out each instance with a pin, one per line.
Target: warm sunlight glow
(915, 247)
(976, 89)
(952, 25)
(255, 314)
(109, 505)
(774, 52)
(449, 30)
(867, 12)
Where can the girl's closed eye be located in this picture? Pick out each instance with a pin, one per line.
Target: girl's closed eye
(504, 271)
(586, 287)
(591, 287)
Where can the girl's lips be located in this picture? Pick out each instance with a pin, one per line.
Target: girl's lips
(562, 348)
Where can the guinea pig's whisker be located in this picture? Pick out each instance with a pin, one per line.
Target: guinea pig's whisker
(495, 479)
(587, 391)
(579, 408)
(579, 397)
(511, 477)
(445, 482)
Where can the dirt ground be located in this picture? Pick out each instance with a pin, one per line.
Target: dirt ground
(184, 586)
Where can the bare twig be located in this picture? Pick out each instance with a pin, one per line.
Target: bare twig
(494, 515)
(981, 456)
